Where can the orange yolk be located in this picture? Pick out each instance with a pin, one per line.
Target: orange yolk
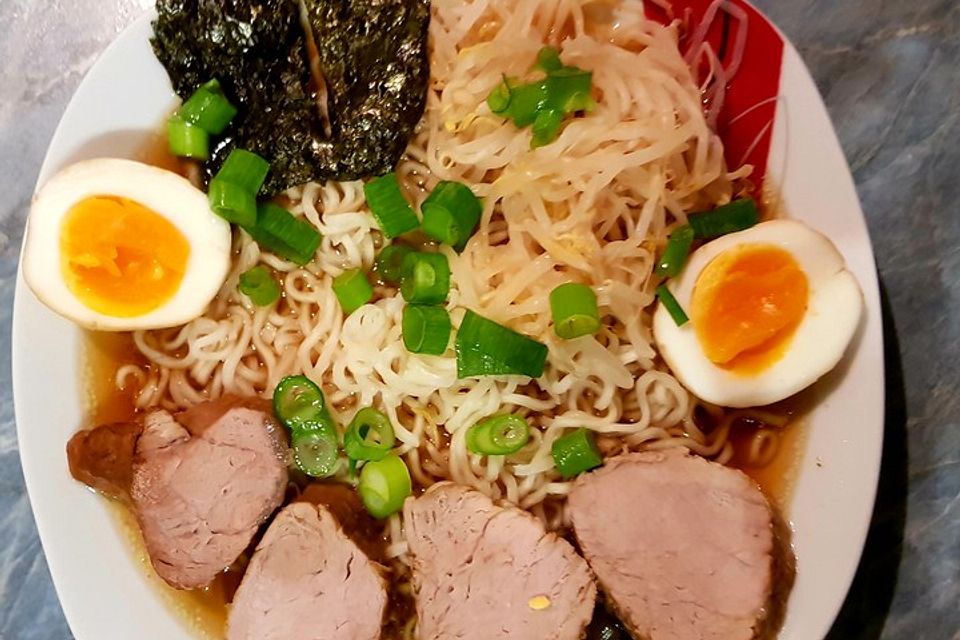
(120, 258)
(746, 305)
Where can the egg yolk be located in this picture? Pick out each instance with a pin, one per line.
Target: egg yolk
(119, 257)
(746, 305)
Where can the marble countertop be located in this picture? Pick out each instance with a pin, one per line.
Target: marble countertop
(889, 74)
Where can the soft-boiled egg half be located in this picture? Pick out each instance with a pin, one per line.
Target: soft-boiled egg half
(771, 310)
(119, 245)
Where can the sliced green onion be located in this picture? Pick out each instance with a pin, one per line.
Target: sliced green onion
(546, 127)
(186, 140)
(299, 404)
(426, 329)
(390, 263)
(498, 435)
(574, 309)
(575, 453)
(233, 203)
(384, 485)
(353, 290)
(389, 207)
(735, 216)
(567, 89)
(485, 348)
(369, 435)
(675, 255)
(208, 108)
(279, 232)
(526, 100)
(548, 59)
(426, 278)
(580, 102)
(499, 99)
(245, 169)
(315, 452)
(260, 286)
(544, 103)
(671, 305)
(451, 213)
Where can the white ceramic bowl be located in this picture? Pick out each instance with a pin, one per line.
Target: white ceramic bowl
(103, 589)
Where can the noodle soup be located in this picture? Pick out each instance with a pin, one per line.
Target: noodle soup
(601, 202)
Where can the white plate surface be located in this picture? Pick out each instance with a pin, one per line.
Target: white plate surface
(104, 593)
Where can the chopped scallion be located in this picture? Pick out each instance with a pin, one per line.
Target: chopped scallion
(548, 59)
(575, 453)
(567, 90)
(384, 485)
(260, 286)
(390, 263)
(546, 127)
(451, 213)
(426, 278)
(186, 140)
(298, 403)
(499, 98)
(369, 436)
(279, 232)
(525, 102)
(353, 290)
(244, 169)
(671, 305)
(389, 207)
(315, 452)
(734, 216)
(675, 255)
(574, 309)
(232, 202)
(546, 102)
(498, 435)
(208, 108)
(426, 329)
(485, 348)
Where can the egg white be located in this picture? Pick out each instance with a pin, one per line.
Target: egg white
(835, 304)
(164, 192)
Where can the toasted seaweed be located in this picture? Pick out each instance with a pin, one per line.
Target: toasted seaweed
(373, 57)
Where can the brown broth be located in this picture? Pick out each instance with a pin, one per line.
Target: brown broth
(155, 152)
(104, 354)
(777, 477)
(204, 611)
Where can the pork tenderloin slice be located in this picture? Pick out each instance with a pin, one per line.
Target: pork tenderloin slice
(102, 457)
(344, 504)
(199, 499)
(486, 572)
(308, 580)
(200, 417)
(681, 546)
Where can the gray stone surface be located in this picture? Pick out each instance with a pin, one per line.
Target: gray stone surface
(890, 75)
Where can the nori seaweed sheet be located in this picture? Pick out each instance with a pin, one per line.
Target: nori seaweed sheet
(373, 54)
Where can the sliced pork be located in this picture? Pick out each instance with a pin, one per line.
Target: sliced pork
(308, 580)
(485, 572)
(102, 458)
(343, 503)
(200, 497)
(681, 546)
